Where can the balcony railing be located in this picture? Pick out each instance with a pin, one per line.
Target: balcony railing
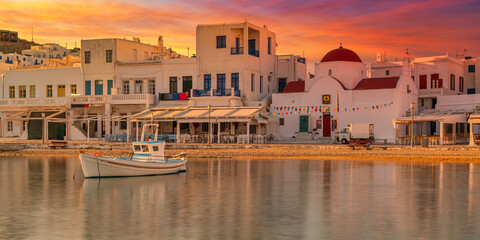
(33, 101)
(88, 99)
(237, 50)
(75, 100)
(173, 96)
(215, 92)
(432, 92)
(201, 93)
(253, 52)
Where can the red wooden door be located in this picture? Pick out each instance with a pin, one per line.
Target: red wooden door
(326, 125)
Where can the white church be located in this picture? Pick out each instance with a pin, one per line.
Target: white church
(340, 94)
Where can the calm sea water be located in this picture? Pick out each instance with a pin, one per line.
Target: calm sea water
(232, 199)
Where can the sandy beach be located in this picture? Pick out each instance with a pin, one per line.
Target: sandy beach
(448, 153)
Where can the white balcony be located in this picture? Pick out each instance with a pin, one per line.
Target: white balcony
(433, 92)
(87, 99)
(57, 101)
(131, 99)
(147, 99)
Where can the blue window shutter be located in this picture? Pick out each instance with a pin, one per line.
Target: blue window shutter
(207, 82)
(98, 87)
(221, 81)
(88, 87)
(109, 86)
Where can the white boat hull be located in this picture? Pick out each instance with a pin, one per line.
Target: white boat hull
(95, 166)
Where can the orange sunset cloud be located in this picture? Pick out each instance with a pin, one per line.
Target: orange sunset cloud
(306, 27)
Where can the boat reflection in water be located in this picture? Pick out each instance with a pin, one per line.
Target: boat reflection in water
(243, 199)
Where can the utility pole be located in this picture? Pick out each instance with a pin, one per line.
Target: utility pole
(209, 125)
(412, 105)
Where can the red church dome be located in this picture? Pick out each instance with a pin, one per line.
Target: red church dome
(341, 54)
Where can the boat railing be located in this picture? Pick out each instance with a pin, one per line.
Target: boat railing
(128, 155)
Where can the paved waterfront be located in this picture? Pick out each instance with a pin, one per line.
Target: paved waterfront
(446, 153)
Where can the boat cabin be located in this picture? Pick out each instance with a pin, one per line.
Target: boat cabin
(149, 145)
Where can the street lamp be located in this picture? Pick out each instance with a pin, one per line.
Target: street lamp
(412, 106)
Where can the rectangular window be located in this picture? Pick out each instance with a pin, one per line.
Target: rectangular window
(88, 87)
(123, 123)
(10, 126)
(269, 81)
(173, 85)
(282, 82)
(435, 82)
(221, 41)
(270, 45)
(221, 81)
(423, 81)
(98, 87)
(49, 91)
(61, 91)
(109, 86)
(22, 91)
(108, 56)
(282, 121)
(207, 82)
(88, 57)
(460, 84)
(235, 81)
(471, 68)
(138, 86)
(73, 89)
(32, 91)
(261, 83)
(11, 92)
(252, 83)
(126, 87)
(187, 84)
(387, 72)
(452, 82)
(151, 86)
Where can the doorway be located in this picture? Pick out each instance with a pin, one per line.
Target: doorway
(326, 125)
(303, 123)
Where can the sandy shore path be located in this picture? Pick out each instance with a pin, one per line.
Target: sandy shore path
(454, 153)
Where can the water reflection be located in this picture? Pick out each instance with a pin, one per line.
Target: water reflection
(261, 199)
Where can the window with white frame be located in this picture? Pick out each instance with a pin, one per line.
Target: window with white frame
(151, 86)
(138, 86)
(10, 126)
(126, 87)
(108, 56)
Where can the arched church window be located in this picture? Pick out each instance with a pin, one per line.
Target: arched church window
(329, 72)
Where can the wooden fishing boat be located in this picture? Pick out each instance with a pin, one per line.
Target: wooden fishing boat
(148, 158)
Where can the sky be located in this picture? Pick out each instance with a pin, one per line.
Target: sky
(309, 28)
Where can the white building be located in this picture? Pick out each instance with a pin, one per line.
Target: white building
(308, 109)
(100, 58)
(289, 68)
(13, 60)
(239, 56)
(438, 76)
(48, 50)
